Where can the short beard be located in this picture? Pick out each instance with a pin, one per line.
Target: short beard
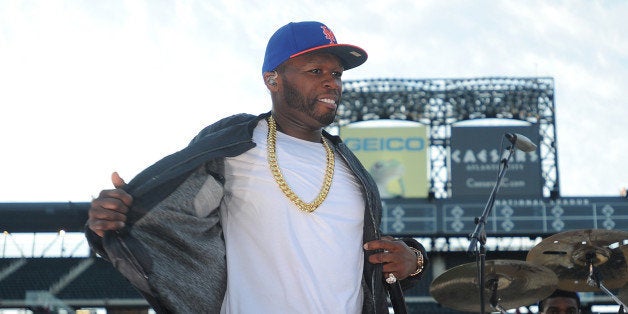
(296, 100)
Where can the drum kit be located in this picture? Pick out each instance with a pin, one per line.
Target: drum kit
(588, 260)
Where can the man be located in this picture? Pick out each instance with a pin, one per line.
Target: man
(261, 214)
(560, 302)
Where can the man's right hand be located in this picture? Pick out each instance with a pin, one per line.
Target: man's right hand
(108, 210)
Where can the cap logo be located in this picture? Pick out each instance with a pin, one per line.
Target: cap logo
(329, 34)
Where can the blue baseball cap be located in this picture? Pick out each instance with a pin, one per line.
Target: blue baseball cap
(297, 38)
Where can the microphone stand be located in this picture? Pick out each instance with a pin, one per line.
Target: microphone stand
(479, 234)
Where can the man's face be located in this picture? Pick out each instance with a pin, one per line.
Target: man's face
(560, 305)
(311, 88)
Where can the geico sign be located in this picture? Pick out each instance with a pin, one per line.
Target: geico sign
(394, 144)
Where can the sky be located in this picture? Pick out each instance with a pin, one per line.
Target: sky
(92, 87)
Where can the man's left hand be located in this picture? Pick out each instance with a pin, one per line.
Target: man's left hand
(397, 258)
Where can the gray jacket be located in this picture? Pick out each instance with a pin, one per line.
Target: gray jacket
(174, 253)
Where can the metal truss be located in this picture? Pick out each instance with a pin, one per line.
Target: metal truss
(439, 103)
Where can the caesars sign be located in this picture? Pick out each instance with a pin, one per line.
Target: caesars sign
(395, 156)
(476, 156)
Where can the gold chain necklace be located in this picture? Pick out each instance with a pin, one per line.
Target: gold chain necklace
(274, 168)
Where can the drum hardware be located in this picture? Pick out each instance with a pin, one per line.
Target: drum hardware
(585, 260)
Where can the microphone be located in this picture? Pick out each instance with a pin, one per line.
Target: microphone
(521, 142)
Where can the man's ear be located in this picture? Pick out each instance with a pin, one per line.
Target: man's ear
(270, 79)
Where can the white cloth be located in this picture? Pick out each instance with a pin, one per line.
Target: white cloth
(283, 260)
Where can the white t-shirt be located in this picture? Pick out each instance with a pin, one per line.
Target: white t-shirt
(283, 260)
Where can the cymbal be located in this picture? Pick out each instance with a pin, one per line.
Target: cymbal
(518, 283)
(570, 253)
